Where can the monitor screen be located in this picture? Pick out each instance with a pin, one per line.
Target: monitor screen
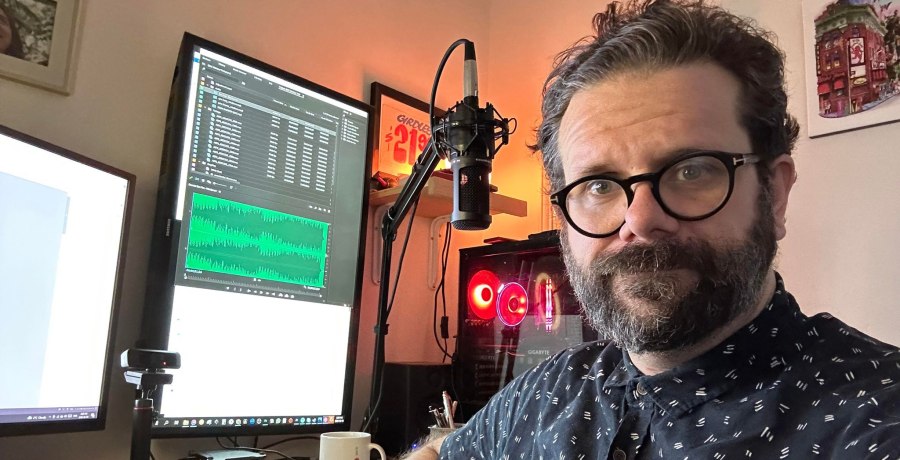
(63, 220)
(256, 263)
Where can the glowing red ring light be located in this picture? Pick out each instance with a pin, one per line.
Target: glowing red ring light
(512, 304)
(482, 293)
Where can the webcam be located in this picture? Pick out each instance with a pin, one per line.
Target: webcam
(141, 358)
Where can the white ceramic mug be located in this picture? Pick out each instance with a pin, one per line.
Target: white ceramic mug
(347, 445)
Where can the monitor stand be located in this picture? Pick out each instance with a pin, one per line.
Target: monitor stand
(231, 454)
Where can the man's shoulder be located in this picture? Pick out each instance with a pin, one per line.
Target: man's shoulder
(832, 338)
(850, 365)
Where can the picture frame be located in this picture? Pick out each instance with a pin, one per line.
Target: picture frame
(401, 130)
(46, 31)
(852, 64)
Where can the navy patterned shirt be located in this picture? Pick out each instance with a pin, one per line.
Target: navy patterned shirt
(784, 386)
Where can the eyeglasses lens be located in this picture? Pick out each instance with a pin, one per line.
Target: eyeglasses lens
(695, 186)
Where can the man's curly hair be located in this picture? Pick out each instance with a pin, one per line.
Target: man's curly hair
(653, 35)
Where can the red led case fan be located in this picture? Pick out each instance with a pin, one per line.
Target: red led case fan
(516, 309)
(508, 302)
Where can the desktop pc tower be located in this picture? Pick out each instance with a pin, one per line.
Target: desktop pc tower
(516, 308)
(409, 390)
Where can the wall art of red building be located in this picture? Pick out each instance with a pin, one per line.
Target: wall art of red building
(857, 50)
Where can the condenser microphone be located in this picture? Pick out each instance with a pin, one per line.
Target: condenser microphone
(471, 137)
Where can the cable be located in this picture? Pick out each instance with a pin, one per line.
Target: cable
(434, 86)
(412, 217)
(434, 321)
(445, 258)
(441, 290)
(251, 449)
(295, 438)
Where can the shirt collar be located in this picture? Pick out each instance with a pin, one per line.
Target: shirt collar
(759, 349)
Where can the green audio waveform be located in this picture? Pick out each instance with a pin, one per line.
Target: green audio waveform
(243, 240)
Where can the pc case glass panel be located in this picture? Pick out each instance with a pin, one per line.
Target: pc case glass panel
(501, 335)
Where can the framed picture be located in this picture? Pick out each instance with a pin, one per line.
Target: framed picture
(37, 39)
(852, 57)
(402, 130)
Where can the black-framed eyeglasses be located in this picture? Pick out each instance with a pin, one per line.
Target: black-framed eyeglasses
(692, 187)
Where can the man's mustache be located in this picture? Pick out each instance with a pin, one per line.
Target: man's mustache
(662, 255)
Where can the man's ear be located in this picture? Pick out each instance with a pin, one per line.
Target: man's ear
(783, 176)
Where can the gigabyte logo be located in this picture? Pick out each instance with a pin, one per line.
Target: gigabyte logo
(539, 352)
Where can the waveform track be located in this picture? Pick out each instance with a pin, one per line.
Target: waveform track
(239, 239)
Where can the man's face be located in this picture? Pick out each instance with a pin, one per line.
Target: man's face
(660, 283)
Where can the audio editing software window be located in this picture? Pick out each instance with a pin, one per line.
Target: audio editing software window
(260, 198)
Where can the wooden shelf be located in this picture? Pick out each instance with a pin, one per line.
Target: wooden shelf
(437, 200)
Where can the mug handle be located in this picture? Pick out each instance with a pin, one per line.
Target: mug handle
(372, 445)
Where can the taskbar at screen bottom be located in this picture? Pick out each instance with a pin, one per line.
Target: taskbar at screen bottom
(207, 423)
(48, 414)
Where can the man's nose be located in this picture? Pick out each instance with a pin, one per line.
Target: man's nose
(645, 218)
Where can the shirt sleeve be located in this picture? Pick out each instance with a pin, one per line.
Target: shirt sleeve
(486, 434)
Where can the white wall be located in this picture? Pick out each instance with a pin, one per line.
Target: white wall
(842, 218)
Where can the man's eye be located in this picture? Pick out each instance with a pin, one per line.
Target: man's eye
(694, 171)
(690, 172)
(600, 187)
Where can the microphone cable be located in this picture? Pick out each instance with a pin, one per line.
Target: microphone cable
(445, 255)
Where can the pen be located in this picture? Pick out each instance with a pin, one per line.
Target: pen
(438, 419)
(448, 412)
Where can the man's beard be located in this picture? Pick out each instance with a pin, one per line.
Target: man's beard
(634, 298)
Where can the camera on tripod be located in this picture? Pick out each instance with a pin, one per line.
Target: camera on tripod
(146, 369)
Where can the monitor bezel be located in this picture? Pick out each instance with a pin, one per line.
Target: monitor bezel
(74, 426)
(164, 246)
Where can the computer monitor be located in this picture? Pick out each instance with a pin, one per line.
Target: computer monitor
(256, 262)
(63, 222)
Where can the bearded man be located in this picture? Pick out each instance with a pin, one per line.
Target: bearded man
(667, 141)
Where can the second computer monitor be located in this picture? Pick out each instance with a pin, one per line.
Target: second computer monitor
(256, 270)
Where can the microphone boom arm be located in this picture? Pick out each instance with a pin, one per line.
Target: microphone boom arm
(390, 224)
